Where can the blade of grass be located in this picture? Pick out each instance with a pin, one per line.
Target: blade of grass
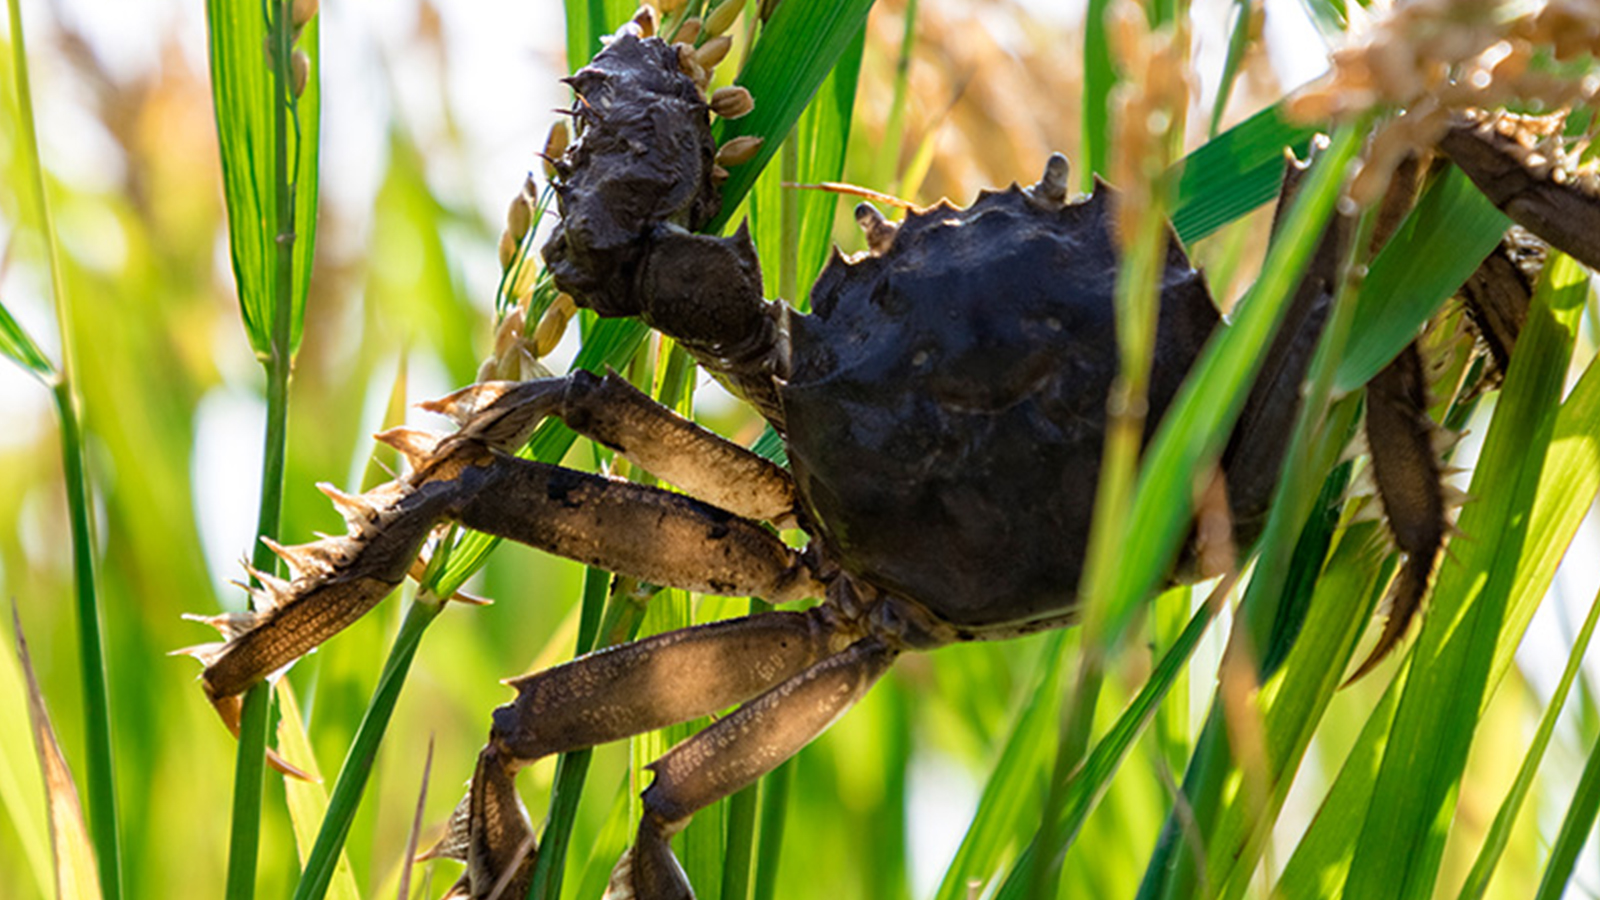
(1238, 42)
(1009, 803)
(1436, 248)
(1499, 836)
(1402, 840)
(1089, 783)
(796, 51)
(1099, 77)
(308, 800)
(587, 22)
(76, 875)
(1273, 606)
(357, 768)
(1235, 172)
(267, 134)
(99, 761)
(1199, 420)
(1568, 484)
(19, 346)
(1575, 828)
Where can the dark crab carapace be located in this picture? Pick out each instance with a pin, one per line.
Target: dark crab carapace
(943, 407)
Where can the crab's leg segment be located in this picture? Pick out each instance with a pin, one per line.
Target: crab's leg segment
(1408, 474)
(659, 681)
(469, 477)
(631, 529)
(732, 754)
(613, 412)
(702, 463)
(615, 693)
(1530, 183)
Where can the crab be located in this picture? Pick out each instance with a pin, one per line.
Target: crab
(943, 408)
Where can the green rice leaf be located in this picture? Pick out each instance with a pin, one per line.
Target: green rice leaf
(1009, 806)
(1194, 428)
(794, 55)
(1090, 782)
(243, 88)
(1235, 172)
(19, 346)
(587, 22)
(1099, 77)
(1575, 828)
(1494, 844)
(1413, 799)
(1566, 485)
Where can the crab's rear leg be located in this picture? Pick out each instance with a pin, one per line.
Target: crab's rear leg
(616, 693)
(732, 754)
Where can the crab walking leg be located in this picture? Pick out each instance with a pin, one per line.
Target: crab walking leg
(620, 416)
(631, 529)
(612, 694)
(672, 677)
(732, 754)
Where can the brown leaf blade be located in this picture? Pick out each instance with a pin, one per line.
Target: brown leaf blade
(76, 874)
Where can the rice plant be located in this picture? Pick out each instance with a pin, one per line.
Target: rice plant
(228, 246)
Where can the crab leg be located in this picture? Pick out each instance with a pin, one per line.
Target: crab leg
(620, 416)
(732, 754)
(616, 693)
(630, 529)
(659, 681)
(468, 477)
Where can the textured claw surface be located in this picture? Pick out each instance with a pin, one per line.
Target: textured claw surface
(643, 157)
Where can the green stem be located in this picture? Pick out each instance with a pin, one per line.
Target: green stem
(101, 787)
(571, 768)
(250, 768)
(91, 651)
(358, 764)
(774, 815)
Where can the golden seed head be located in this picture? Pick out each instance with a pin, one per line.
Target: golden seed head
(553, 325)
(739, 150)
(731, 102)
(508, 250)
(689, 30)
(719, 175)
(299, 71)
(519, 217)
(713, 52)
(555, 145)
(302, 12)
(721, 18)
(668, 7)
